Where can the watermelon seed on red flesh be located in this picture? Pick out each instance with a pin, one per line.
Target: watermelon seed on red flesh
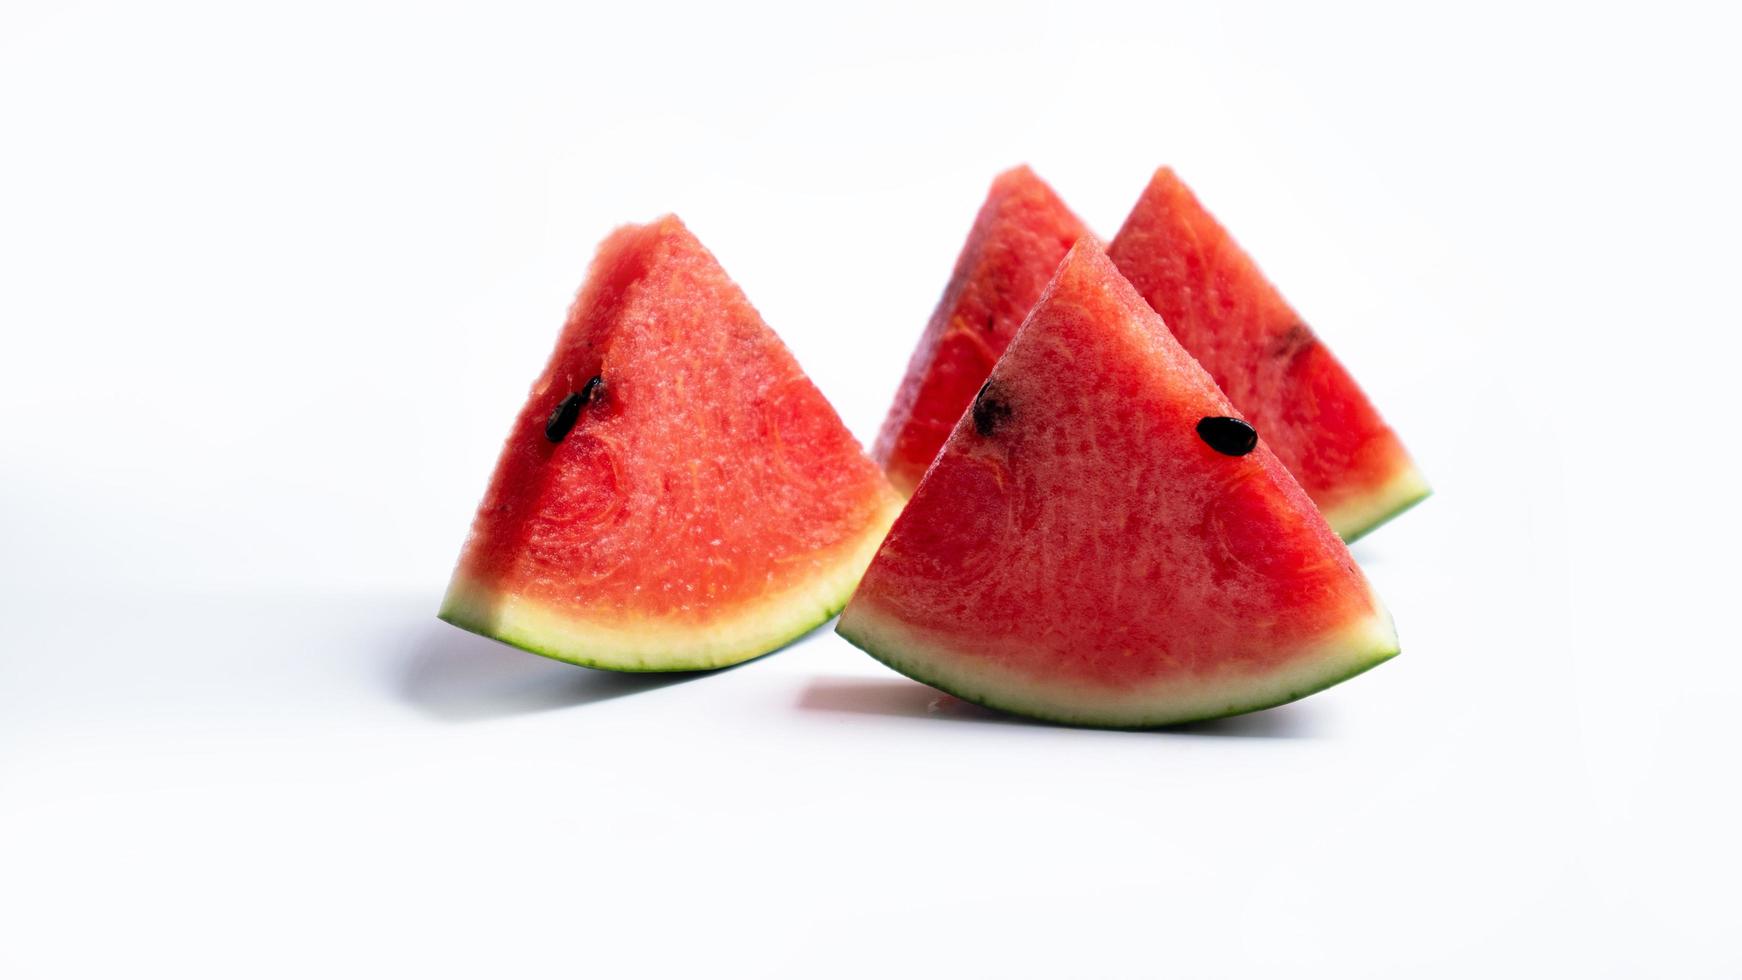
(1226, 435)
(569, 410)
(990, 411)
(1098, 562)
(1019, 235)
(563, 417)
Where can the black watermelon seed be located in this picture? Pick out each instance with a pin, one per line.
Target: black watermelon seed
(1228, 436)
(990, 411)
(590, 388)
(562, 419)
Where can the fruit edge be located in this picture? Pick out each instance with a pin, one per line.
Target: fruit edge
(1355, 519)
(652, 645)
(1376, 632)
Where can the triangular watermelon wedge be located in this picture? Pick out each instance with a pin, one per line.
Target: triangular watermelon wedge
(1080, 552)
(1018, 238)
(1264, 356)
(676, 494)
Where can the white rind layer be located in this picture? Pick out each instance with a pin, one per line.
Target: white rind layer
(927, 658)
(654, 644)
(1354, 518)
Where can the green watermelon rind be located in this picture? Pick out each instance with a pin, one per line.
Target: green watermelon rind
(1354, 520)
(679, 665)
(861, 631)
(651, 646)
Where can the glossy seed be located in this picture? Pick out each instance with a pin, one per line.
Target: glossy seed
(990, 411)
(1228, 436)
(562, 419)
(591, 388)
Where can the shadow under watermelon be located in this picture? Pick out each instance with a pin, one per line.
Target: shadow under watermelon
(900, 698)
(452, 675)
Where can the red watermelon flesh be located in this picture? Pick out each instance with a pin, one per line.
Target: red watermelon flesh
(706, 504)
(1021, 233)
(1264, 356)
(1078, 552)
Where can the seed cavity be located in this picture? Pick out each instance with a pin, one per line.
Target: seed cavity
(990, 410)
(562, 419)
(1228, 436)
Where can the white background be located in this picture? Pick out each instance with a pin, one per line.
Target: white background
(273, 281)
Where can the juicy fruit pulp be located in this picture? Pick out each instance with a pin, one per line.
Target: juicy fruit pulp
(1284, 380)
(1021, 233)
(675, 494)
(1088, 558)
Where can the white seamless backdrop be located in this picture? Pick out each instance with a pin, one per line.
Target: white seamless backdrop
(274, 278)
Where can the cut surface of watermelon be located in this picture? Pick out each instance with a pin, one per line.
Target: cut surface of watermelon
(1079, 552)
(1018, 238)
(675, 494)
(1264, 356)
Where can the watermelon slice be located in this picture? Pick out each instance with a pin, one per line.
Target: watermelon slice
(676, 494)
(1102, 542)
(1021, 233)
(1267, 360)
